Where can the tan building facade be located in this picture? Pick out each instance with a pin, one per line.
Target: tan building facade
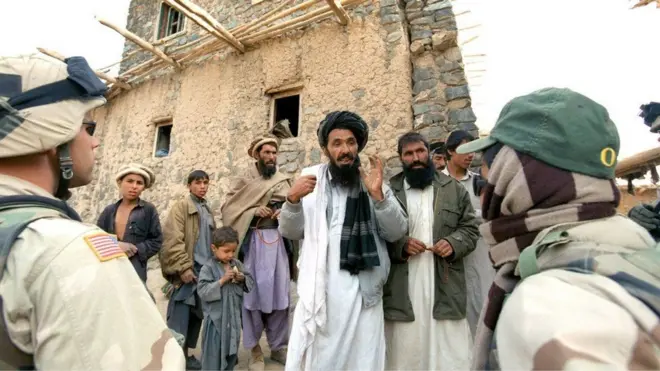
(396, 64)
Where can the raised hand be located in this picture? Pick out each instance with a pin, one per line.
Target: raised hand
(301, 188)
(374, 181)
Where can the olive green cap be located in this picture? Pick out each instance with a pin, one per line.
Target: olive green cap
(560, 127)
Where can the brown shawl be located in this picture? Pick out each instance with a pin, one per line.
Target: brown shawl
(247, 194)
(523, 197)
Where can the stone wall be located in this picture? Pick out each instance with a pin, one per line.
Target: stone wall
(219, 106)
(441, 97)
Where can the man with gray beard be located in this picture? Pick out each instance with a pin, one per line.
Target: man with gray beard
(252, 208)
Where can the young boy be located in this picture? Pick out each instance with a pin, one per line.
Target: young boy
(222, 282)
(187, 238)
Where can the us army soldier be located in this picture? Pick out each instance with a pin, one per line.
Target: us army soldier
(70, 297)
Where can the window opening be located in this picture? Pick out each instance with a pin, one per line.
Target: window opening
(163, 139)
(171, 21)
(288, 108)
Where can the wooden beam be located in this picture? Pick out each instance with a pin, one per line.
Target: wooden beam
(297, 22)
(339, 11)
(140, 42)
(643, 3)
(637, 161)
(299, 7)
(100, 74)
(469, 40)
(259, 21)
(199, 11)
(469, 28)
(282, 88)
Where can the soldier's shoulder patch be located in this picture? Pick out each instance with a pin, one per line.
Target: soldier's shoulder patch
(105, 246)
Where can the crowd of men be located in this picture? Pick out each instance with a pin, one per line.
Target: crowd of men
(523, 264)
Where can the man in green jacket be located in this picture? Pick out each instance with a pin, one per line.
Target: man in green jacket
(424, 298)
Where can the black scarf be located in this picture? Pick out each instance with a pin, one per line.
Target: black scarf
(358, 245)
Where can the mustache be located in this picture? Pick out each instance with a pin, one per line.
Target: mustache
(346, 156)
(420, 163)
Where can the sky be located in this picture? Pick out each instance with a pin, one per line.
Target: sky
(599, 48)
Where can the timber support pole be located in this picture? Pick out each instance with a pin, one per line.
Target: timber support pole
(339, 11)
(99, 74)
(141, 43)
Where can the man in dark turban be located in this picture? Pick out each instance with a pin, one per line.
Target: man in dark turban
(344, 217)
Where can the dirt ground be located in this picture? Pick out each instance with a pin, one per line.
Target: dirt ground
(155, 281)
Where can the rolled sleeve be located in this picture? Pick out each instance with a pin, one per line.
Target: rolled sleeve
(292, 221)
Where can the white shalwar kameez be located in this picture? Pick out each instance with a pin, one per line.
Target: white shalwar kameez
(426, 343)
(356, 334)
(346, 334)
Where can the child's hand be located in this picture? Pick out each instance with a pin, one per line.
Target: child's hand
(229, 276)
(240, 277)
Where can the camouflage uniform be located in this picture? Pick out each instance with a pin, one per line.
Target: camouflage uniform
(70, 297)
(577, 286)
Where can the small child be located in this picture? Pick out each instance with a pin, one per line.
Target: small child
(221, 284)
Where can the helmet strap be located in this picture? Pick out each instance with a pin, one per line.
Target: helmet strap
(66, 172)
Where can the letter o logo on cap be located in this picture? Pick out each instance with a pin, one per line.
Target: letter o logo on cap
(608, 156)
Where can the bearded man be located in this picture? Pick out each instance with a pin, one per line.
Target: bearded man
(425, 295)
(344, 218)
(252, 208)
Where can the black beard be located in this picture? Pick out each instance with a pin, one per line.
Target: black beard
(266, 170)
(346, 175)
(419, 178)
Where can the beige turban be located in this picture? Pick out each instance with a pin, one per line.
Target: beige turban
(260, 141)
(143, 171)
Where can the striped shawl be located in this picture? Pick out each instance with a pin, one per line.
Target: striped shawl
(524, 196)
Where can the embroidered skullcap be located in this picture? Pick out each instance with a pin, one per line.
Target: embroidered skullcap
(138, 169)
(343, 120)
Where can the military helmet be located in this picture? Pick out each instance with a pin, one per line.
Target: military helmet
(43, 102)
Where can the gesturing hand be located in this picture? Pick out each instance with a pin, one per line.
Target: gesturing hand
(301, 188)
(374, 181)
(264, 212)
(443, 248)
(414, 246)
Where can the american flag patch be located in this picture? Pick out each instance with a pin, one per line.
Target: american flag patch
(105, 246)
